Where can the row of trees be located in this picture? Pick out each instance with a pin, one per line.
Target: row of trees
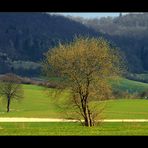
(85, 65)
(131, 24)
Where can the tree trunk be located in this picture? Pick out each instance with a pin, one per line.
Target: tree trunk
(88, 121)
(87, 114)
(88, 118)
(91, 122)
(8, 104)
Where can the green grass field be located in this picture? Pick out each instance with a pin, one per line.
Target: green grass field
(36, 103)
(127, 108)
(70, 129)
(120, 84)
(130, 86)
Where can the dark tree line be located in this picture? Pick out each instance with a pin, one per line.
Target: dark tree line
(129, 32)
(27, 36)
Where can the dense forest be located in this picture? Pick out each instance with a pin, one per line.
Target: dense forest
(128, 32)
(25, 37)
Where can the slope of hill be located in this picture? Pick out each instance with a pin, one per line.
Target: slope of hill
(26, 36)
(130, 86)
(38, 103)
(129, 33)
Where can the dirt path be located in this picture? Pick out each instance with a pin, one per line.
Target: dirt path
(20, 119)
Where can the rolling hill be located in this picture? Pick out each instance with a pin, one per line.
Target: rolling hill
(128, 32)
(26, 36)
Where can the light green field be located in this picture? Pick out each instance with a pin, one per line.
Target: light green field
(73, 129)
(130, 86)
(37, 103)
(127, 108)
(121, 84)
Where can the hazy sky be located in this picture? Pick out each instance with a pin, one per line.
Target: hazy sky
(92, 15)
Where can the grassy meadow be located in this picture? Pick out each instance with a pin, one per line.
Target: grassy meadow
(73, 129)
(130, 86)
(38, 103)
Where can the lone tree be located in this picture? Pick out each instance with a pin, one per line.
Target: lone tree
(10, 88)
(85, 64)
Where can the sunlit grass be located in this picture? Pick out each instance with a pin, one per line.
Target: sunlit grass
(70, 129)
(38, 103)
